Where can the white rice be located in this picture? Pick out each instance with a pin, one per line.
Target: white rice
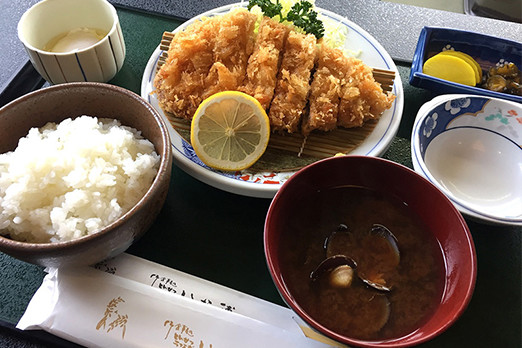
(72, 179)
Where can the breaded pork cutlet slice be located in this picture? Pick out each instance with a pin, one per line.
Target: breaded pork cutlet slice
(180, 80)
(263, 64)
(325, 93)
(362, 98)
(207, 57)
(293, 82)
(233, 45)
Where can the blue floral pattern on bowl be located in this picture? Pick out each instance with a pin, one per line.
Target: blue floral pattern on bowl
(470, 147)
(475, 112)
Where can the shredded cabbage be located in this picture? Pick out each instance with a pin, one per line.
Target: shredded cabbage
(335, 33)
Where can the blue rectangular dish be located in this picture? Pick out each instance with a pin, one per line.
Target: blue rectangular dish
(488, 51)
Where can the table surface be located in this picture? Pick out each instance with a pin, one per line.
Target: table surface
(208, 232)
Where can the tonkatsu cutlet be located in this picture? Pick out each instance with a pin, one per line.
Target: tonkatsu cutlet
(263, 64)
(293, 82)
(325, 94)
(275, 66)
(362, 98)
(233, 45)
(207, 57)
(179, 83)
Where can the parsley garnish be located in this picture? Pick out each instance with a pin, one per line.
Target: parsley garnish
(269, 8)
(305, 17)
(301, 14)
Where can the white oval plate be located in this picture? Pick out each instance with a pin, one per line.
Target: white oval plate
(266, 184)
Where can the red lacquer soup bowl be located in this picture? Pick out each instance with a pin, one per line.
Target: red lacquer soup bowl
(323, 195)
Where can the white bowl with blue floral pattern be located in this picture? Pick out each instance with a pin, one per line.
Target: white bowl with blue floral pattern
(470, 147)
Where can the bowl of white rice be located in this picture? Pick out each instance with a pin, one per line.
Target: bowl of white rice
(84, 171)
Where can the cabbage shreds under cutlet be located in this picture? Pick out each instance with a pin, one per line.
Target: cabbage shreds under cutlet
(362, 98)
(325, 91)
(233, 46)
(263, 64)
(207, 57)
(293, 82)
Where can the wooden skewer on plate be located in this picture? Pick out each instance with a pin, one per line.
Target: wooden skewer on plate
(319, 145)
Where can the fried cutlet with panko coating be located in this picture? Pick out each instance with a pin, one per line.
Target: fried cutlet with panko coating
(222, 53)
(234, 43)
(207, 57)
(362, 98)
(263, 64)
(325, 90)
(179, 83)
(293, 82)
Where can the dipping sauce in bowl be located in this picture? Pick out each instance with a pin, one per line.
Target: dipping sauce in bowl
(369, 253)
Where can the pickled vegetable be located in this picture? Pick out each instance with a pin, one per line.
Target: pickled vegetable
(472, 62)
(505, 78)
(450, 68)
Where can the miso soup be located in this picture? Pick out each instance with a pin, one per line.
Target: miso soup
(397, 275)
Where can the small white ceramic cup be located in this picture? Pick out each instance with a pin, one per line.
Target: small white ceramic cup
(48, 19)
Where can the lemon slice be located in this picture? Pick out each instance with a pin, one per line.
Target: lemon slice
(230, 131)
